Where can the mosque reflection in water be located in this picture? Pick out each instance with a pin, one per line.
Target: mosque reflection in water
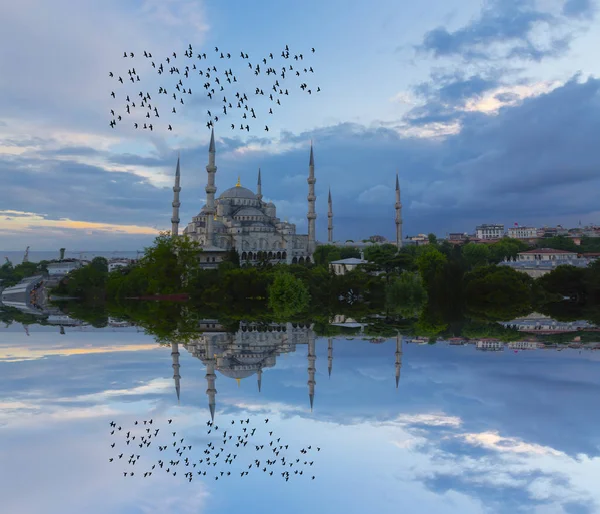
(250, 350)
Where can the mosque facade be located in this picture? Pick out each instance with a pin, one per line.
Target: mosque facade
(239, 219)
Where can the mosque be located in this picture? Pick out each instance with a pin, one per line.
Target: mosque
(252, 349)
(240, 219)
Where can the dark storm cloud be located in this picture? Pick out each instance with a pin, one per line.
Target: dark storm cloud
(504, 29)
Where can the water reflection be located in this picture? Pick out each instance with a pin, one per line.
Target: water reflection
(465, 431)
(251, 349)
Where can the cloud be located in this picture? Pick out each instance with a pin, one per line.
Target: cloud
(505, 29)
(579, 8)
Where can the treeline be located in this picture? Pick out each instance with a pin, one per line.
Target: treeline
(437, 283)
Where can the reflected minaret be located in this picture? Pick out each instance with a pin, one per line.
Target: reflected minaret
(329, 355)
(259, 378)
(398, 358)
(259, 195)
(176, 376)
(311, 367)
(210, 377)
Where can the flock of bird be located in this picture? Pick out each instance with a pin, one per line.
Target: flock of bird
(234, 449)
(216, 83)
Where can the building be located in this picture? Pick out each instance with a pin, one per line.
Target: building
(492, 345)
(517, 232)
(524, 345)
(62, 268)
(458, 237)
(489, 231)
(240, 219)
(343, 266)
(418, 240)
(547, 254)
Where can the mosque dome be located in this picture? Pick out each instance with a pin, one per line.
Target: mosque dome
(237, 192)
(249, 211)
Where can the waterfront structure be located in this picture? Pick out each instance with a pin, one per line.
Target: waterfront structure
(489, 231)
(240, 219)
(517, 232)
(547, 254)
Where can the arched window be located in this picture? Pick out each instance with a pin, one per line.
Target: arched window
(279, 255)
(284, 255)
(270, 255)
(244, 256)
(308, 260)
(294, 260)
(301, 260)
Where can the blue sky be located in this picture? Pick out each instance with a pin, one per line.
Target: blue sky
(487, 110)
(466, 431)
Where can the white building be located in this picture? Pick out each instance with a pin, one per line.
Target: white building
(61, 268)
(490, 345)
(547, 254)
(524, 345)
(489, 231)
(113, 265)
(343, 266)
(522, 232)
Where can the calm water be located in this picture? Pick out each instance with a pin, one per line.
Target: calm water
(465, 431)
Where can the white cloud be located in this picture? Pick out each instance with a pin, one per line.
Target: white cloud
(375, 194)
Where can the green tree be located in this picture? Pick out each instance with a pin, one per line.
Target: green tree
(288, 295)
(476, 254)
(566, 280)
(430, 263)
(405, 295)
(432, 238)
(558, 243)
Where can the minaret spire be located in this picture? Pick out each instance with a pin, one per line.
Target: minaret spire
(176, 204)
(209, 208)
(259, 378)
(210, 378)
(329, 219)
(398, 357)
(311, 367)
(398, 208)
(259, 188)
(176, 376)
(329, 355)
(312, 215)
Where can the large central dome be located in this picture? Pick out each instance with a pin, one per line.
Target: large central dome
(238, 192)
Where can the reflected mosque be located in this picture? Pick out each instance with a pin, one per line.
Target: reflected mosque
(252, 349)
(240, 219)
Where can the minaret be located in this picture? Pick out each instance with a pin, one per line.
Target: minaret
(259, 378)
(329, 356)
(330, 219)
(210, 378)
(312, 215)
(398, 358)
(259, 188)
(311, 367)
(176, 203)
(211, 169)
(398, 207)
(176, 376)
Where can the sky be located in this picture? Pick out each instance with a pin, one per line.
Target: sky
(466, 431)
(488, 111)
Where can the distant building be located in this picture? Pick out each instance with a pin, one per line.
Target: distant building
(490, 345)
(524, 345)
(62, 268)
(489, 231)
(418, 240)
(522, 232)
(343, 266)
(458, 236)
(114, 264)
(547, 254)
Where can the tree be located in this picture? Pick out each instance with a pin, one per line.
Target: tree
(432, 238)
(288, 295)
(566, 280)
(476, 254)
(100, 264)
(498, 292)
(405, 295)
(430, 263)
(558, 243)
